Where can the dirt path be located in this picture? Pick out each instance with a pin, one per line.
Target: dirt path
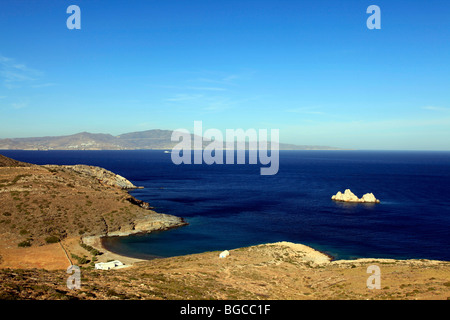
(65, 252)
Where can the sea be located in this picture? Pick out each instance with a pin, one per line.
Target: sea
(232, 206)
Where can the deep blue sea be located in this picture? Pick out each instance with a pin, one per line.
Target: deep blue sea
(231, 206)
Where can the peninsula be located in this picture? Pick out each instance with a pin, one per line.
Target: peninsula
(68, 205)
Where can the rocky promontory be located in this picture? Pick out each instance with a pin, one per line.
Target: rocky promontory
(44, 205)
(104, 176)
(349, 196)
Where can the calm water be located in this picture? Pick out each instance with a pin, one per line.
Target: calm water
(230, 206)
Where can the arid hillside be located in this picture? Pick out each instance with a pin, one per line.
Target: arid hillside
(8, 162)
(43, 205)
(278, 271)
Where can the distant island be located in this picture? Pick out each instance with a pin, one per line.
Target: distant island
(141, 140)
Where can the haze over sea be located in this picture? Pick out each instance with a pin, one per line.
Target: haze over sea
(231, 206)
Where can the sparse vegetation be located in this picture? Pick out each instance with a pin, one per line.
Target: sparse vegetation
(24, 244)
(252, 273)
(91, 249)
(17, 178)
(81, 260)
(52, 239)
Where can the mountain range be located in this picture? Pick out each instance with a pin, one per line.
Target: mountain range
(149, 139)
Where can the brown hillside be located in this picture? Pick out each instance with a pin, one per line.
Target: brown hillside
(266, 272)
(41, 205)
(8, 162)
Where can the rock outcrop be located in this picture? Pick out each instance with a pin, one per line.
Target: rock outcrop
(150, 223)
(140, 203)
(369, 197)
(103, 175)
(349, 196)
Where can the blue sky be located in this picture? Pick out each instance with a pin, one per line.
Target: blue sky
(311, 69)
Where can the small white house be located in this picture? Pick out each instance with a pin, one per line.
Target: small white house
(116, 264)
(224, 254)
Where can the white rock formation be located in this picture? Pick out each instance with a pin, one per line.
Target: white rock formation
(369, 197)
(349, 196)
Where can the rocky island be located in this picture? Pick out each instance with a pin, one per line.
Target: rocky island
(349, 196)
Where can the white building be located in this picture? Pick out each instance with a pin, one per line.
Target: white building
(116, 264)
(224, 254)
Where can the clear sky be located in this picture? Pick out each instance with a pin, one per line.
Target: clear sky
(311, 69)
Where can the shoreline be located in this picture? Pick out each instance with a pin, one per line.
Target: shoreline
(317, 257)
(97, 242)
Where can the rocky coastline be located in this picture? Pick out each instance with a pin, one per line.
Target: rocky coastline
(143, 225)
(44, 205)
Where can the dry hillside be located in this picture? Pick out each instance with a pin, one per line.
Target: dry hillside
(267, 272)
